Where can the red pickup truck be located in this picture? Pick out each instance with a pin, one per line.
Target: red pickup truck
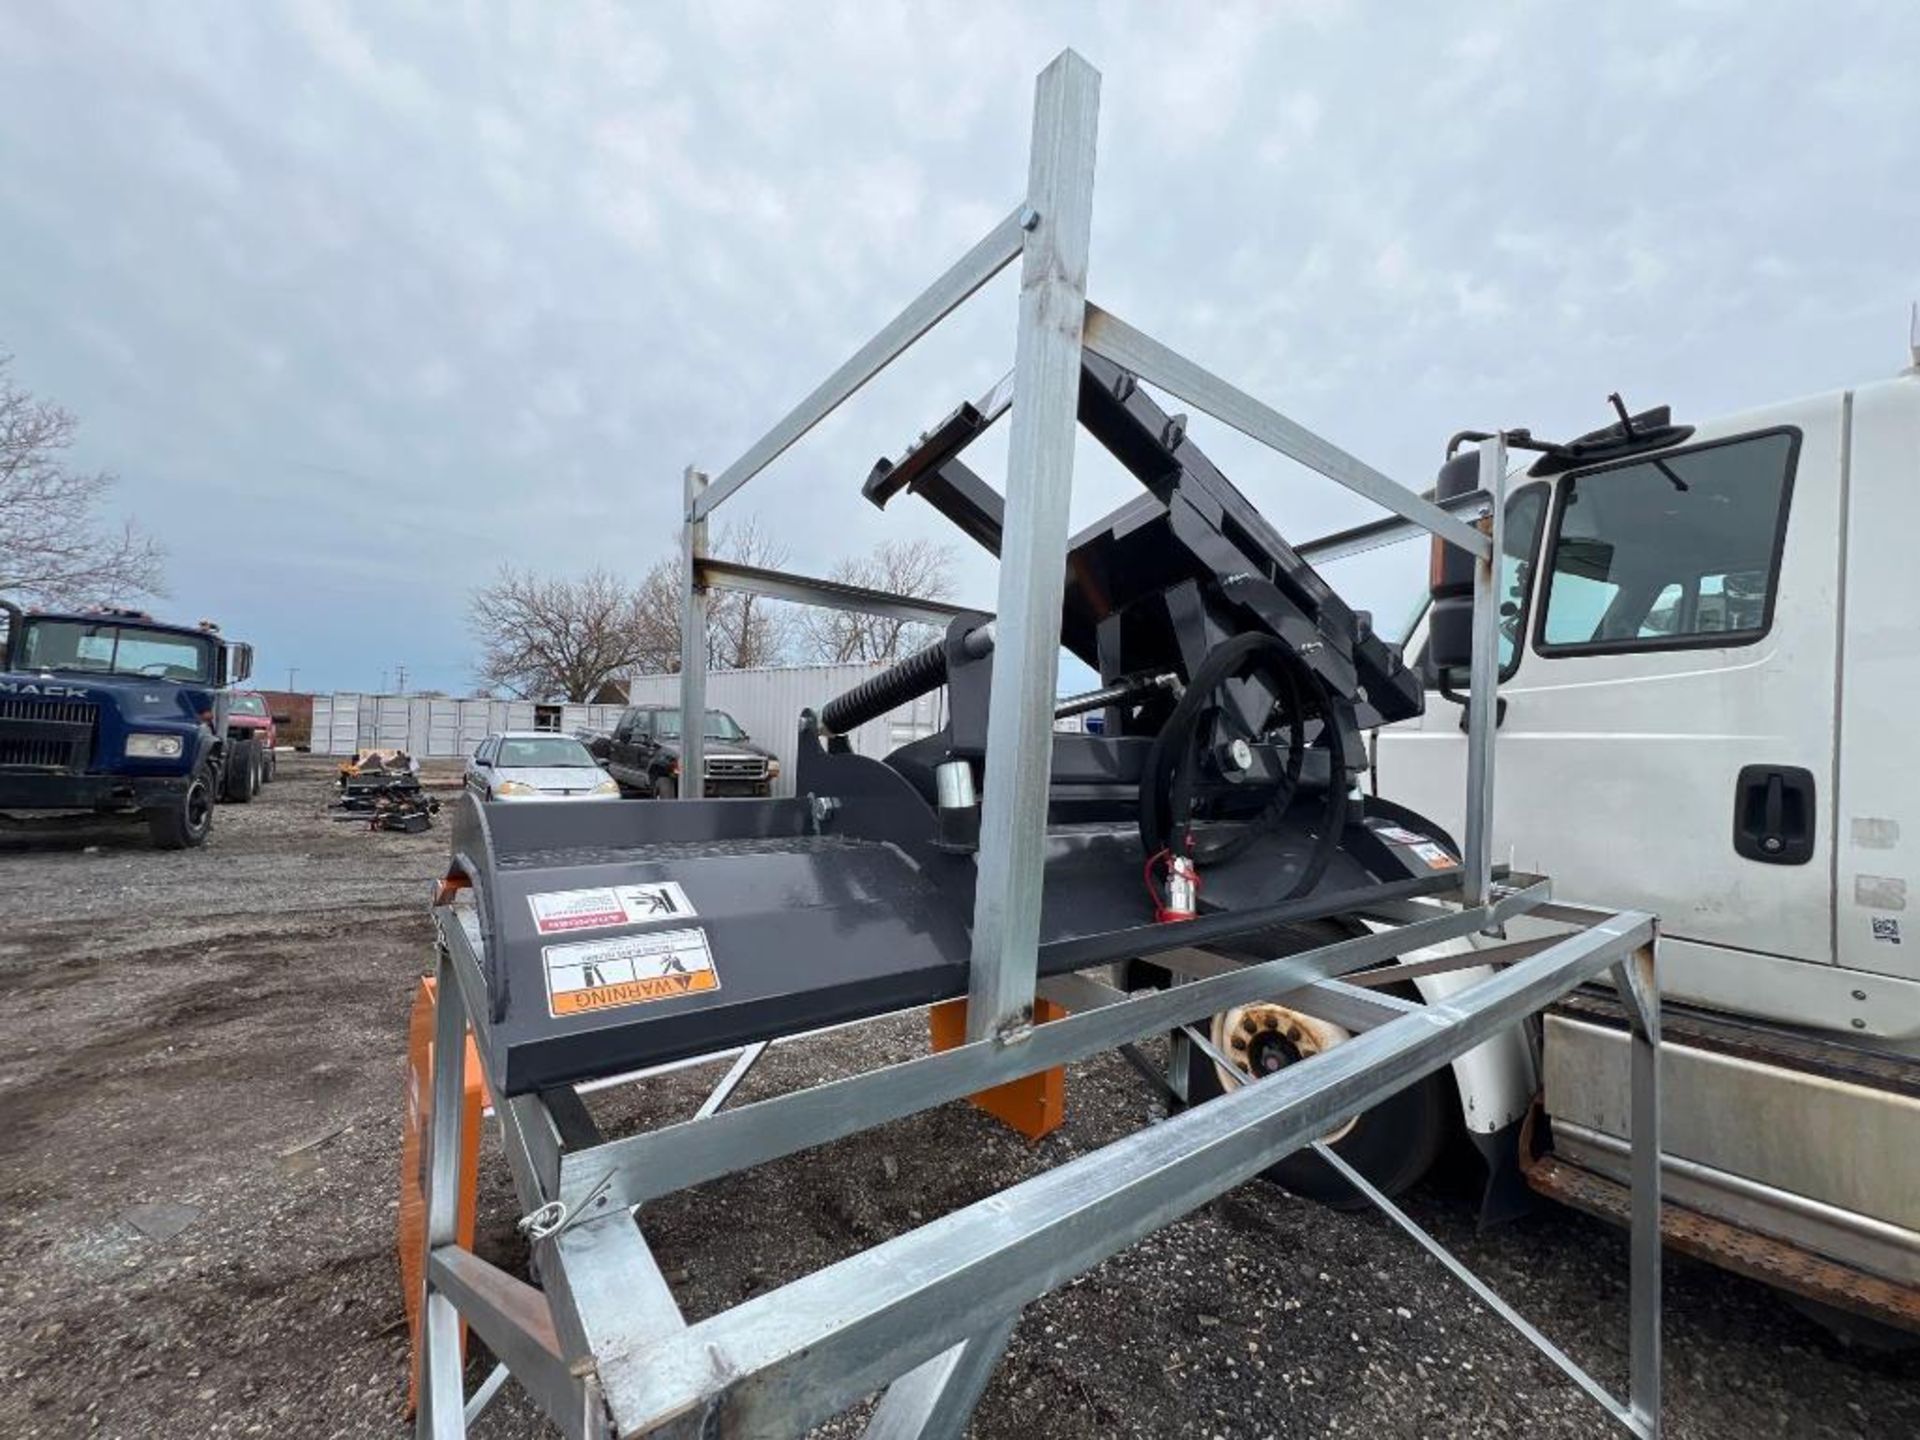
(250, 714)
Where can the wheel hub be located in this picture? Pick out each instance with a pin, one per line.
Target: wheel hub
(1264, 1039)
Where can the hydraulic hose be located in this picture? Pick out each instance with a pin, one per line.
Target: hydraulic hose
(906, 680)
(1167, 781)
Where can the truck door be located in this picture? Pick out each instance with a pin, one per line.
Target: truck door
(1877, 923)
(1669, 684)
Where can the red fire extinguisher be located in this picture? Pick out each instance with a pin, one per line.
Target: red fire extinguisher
(1180, 900)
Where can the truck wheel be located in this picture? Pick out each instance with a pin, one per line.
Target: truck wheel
(1393, 1145)
(188, 820)
(243, 774)
(666, 788)
(269, 766)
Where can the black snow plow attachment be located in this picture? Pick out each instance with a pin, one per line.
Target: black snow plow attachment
(1217, 790)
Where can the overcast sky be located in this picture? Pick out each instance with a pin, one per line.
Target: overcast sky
(361, 302)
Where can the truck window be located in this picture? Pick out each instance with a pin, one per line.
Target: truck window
(109, 649)
(1666, 553)
(1520, 539)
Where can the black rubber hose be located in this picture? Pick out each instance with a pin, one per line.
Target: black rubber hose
(920, 673)
(1168, 761)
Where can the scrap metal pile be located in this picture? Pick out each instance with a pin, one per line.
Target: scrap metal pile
(382, 789)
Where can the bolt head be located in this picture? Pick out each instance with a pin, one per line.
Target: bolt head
(1029, 218)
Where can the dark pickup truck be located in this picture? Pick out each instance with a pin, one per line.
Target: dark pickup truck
(644, 756)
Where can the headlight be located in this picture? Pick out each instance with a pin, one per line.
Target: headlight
(153, 747)
(773, 769)
(607, 787)
(514, 787)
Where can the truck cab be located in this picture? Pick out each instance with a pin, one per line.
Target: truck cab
(113, 711)
(1705, 657)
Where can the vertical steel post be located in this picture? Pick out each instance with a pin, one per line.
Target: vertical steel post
(936, 1400)
(442, 1406)
(693, 646)
(1026, 659)
(1638, 984)
(1179, 1064)
(1484, 677)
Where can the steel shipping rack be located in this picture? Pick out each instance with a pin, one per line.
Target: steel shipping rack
(603, 1347)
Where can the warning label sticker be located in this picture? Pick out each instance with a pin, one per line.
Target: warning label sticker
(628, 970)
(1399, 836)
(558, 911)
(1435, 857)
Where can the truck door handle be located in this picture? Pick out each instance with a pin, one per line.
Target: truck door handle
(1773, 808)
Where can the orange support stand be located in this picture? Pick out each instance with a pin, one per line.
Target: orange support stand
(1034, 1105)
(412, 1235)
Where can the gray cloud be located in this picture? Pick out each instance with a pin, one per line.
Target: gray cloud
(361, 302)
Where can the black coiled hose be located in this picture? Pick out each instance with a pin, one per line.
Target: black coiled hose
(918, 674)
(1167, 781)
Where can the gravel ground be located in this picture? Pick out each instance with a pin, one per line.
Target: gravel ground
(201, 1061)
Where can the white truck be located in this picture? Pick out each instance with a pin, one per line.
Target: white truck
(1708, 665)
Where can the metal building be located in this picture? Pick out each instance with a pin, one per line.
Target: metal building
(767, 702)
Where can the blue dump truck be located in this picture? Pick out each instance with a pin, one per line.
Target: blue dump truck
(112, 711)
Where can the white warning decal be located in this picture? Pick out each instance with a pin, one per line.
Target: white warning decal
(1399, 836)
(1435, 857)
(628, 970)
(559, 911)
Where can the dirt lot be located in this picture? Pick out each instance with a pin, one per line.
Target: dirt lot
(201, 1058)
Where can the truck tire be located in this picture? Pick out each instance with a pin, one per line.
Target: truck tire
(269, 766)
(188, 820)
(666, 788)
(243, 774)
(1393, 1145)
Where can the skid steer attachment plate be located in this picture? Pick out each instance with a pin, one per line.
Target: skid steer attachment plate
(629, 934)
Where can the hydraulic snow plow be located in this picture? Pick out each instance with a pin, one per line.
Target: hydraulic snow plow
(1209, 850)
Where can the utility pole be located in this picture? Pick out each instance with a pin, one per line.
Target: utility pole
(291, 672)
(400, 682)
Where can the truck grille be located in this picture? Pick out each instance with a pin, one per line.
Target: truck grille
(60, 712)
(736, 767)
(47, 734)
(42, 754)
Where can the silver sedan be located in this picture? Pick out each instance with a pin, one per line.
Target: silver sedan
(536, 765)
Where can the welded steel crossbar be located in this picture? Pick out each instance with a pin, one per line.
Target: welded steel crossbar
(605, 1350)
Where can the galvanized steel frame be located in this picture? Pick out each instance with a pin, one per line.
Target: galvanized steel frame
(605, 1350)
(603, 1347)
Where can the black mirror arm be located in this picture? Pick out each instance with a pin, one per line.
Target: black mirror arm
(1447, 692)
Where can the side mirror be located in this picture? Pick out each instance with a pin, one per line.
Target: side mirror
(282, 719)
(1450, 621)
(15, 615)
(242, 665)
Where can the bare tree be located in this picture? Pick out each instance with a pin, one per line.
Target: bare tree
(53, 547)
(918, 568)
(542, 637)
(743, 630)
